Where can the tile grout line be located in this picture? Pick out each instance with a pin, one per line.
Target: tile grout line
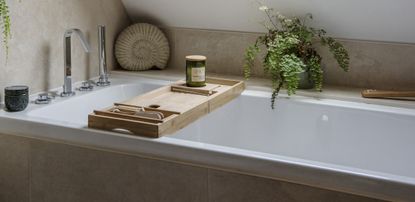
(30, 170)
(208, 185)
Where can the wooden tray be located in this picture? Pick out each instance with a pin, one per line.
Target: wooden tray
(178, 104)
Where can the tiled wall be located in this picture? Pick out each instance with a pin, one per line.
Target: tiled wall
(40, 171)
(373, 64)
(36, 47)
(36, 53)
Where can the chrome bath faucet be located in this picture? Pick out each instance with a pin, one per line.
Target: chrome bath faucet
(102, 57)
(67, 85)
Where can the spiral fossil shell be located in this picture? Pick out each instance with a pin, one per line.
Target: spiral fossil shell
(142, 46)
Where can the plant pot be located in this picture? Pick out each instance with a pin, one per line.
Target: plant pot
(305, 82)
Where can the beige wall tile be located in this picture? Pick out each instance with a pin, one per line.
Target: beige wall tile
(67, 173)
(224, 50)
(14, 169)
(372, 65)
(231, 187)
(36, 47)
(171, 37)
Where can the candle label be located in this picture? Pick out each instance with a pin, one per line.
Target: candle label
(198, 74)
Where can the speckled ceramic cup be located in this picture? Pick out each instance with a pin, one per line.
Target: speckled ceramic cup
(16, 98)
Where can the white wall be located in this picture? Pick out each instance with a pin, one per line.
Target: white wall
(381, 20)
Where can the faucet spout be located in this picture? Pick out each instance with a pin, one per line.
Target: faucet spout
(80, 36)
(67, 85)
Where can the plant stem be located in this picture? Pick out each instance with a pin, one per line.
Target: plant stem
(270, 19)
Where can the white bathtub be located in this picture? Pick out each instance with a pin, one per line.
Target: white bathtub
(361, 141)
(358, 136)
(346, 146)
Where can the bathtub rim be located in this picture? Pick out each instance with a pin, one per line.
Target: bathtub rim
(176, 152)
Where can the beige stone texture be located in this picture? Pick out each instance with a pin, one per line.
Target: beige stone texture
(43, 171)
(62, 173)
(224, 49)
(14, 169)
(36, 47)
(373, 64)
(229, 187)
(376, 65)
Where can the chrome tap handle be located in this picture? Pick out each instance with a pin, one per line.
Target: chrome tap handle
(44, 98)
(87, 86)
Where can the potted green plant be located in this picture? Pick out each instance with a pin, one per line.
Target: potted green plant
(5, 24)
(290, 60)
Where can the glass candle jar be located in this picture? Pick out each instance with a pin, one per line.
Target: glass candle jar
(16, 98)
(196, 70)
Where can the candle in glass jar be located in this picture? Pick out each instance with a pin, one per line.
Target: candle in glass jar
(196, 70)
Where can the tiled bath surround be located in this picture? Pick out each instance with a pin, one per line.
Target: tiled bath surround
(34, 170)
(36, 47)
(42, 171)
(378, 65)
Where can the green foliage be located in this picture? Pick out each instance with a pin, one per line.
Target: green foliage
(250, 55)
(339, 52)
(290, 51)
(315, 71)
(5, 24)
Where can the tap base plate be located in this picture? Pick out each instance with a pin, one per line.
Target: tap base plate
(67, 94)
(103, 83)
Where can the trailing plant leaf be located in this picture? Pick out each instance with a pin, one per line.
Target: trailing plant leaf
(276, 86)
(250, 55)
(5, 23)
(339, 52)
(316, 73)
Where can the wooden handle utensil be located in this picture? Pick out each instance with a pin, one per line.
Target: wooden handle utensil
(387, 94)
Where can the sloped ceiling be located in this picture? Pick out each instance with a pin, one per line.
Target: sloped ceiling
(380, 20)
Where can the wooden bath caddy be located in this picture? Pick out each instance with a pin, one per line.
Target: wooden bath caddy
(166, 109)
